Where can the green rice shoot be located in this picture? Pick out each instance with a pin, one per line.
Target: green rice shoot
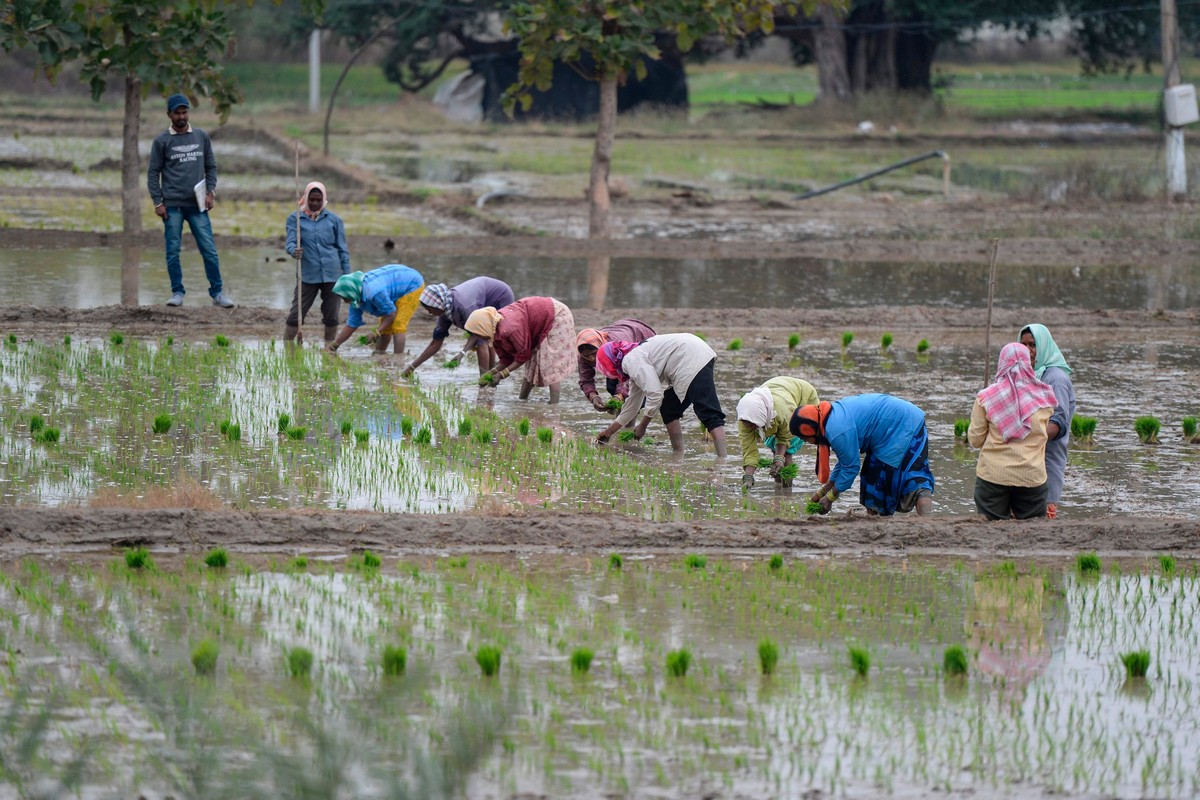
(860, 660)
(954, 660)
(524, 426)
(1190, 426)
(114, 337)
(678, 662)
(406, 426)
(960, 427)
(204, 657)
(545, 435)
(347, 427)
(812, 507)
(465, 426)
(283, 423)
(297, 432)
(776, 563)
(370, 560)
(1088, 564)
(395, 660)
(789, 472)
(364, 340)
(885, 341)
(47, 435)
(765, 463)
(362, 436)
(299, 661)
(217, 558)
(424, 436)
(221, 340)
(626, 436)
(488, 659)
(768, 656)
(138, 558)
(847, 338)
(615, 561)
(1167, 563)
(36, 423)
(483, 436)
(793, 341)
(451, 364)
(694, 561)
(581, 660)
(735, 344)
(614, 403)
(162, 423)
(1082, 428)
(1137, 663)
(1147, 429)
(923, 346)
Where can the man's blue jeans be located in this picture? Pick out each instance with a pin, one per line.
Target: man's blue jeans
(202, 232)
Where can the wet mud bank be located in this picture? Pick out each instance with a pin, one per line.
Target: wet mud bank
(27, 531)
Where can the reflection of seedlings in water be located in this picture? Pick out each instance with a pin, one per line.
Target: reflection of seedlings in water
(545, 435)
(847, 338)
(768, 656)
(424, 436)
(217, 558)
(1136, 662)
(960, 428)
(1167, 563)
(283, 423)
(793, 341)
(488, 659)
(581, 660)
(860, 660)
(406, 426)
(678, 662)
(885, 341)
(162, 423)
(116, 338)
(1147, 429)
(615, 561)
(362, 436)
(204, 657)
(465, 426)
(1088, 563)
(1190, 426)
(297, 432)
(299, 662)
(954, 660)
(812, 507)
(695, 561)
(221, 340)
(1083, 428)
(395, 660)
(524, 426)
(735, 344)
(776, 563)
(138, 558)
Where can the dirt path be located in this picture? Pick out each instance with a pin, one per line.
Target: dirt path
(51, 531)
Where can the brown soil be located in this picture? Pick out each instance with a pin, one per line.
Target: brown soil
(47, 531)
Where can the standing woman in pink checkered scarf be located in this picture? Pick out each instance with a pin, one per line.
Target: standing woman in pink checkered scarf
(1008, 424)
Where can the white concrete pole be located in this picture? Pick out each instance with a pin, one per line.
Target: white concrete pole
(314, 72)
(1173, 141)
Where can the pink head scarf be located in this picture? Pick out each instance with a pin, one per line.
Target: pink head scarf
(1016, 395)
(611, 356)
(304, 199)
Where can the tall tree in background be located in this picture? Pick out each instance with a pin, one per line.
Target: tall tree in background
(606, 40)
(151, 46)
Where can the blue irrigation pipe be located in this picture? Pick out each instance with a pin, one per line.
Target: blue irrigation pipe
(873, 174)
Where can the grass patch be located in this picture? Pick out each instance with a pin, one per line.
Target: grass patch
(395, 660)
(1088, 564)
(678, 662)
(954, 660)
(1147, 429)
(1137, 663)
(299, 661)
(581, 660)
(694, 561)
(488, 659)
(860, 660)
(545, 435)
(204, 657)
(138, 558)
(768, 656)
(793, 341)
(217, 558)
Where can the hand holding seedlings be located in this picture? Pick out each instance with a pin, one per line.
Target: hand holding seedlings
(825, 497)
(408, 371)
(776, 466)
(597, 403)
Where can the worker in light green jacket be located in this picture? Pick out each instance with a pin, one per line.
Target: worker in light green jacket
(763, 416)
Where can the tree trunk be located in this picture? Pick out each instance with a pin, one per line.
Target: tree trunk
(830, 46)
(131, 261)
(598, 201)
(131, 166)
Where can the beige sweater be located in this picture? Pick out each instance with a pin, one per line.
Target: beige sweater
(667, 361)
(1018, 463)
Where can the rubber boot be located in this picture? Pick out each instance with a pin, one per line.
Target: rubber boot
(330, 333)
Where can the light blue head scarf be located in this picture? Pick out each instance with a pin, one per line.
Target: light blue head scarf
(1048, 354)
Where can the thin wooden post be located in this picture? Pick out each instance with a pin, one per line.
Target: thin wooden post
(987, 340)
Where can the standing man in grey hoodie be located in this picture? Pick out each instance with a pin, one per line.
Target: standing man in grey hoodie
(181, 158)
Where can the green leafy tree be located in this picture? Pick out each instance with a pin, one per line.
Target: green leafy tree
(606, 40)
(151, 46)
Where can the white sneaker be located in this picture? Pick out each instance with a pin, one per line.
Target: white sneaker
(223, 301)
(176, 299)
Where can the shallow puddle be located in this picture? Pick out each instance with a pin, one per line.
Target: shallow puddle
(1045, 706)
(263, 276)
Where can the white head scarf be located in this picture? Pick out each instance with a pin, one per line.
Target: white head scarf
(756, 407)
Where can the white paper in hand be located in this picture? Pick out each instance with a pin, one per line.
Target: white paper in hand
(199, 191)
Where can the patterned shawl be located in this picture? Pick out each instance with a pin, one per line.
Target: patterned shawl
(1017, 394)
(611, 356)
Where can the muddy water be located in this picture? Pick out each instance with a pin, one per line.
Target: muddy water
(1045, 707)
(257, 276)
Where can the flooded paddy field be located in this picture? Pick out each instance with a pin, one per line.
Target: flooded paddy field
(176, 678)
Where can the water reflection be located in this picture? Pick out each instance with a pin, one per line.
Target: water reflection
(83, 277)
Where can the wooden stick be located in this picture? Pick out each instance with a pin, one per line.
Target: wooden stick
(987, 341)
(299, 310)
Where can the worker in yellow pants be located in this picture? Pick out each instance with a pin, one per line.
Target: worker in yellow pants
(391, 293)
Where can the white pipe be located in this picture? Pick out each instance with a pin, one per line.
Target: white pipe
(1176, 163)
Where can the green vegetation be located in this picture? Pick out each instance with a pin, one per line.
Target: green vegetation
(283, 423)
(775, 563)
(487, 378)
(765, 462)
(695, 561)
(347, 427)
(465, 426)
(488, 659)
(735, 344)
(217, 558)
(424, 436)
(954, 660)
(67, 340)
(364, 340)
(1136, 662)
(581, 660)
(1082, 428)
(1167, 563)
(860, 660)
(960, 427)
(524, 426)
(116, 338)
(221, 340)
(789, 472)
(615, 402)
(370, 560)
(626, 436)
(923, 346)
(885, 341)
(483, 436)
(812, 507)
(847, 338)
(1088, 563)
(138, 558)
(452, 363)
(395, 660)
(36, 423)
(12, 338)
(299, 563)
(768, 656)
(615, 561)
(46, 436)
(793, 341)
(1147, 429)
(1190, 426)
(545, 435)
(678, 662)
(231, 430)
(204, 657)
(297, 432)
(406, 426)
(299, 661)
(162, 423)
